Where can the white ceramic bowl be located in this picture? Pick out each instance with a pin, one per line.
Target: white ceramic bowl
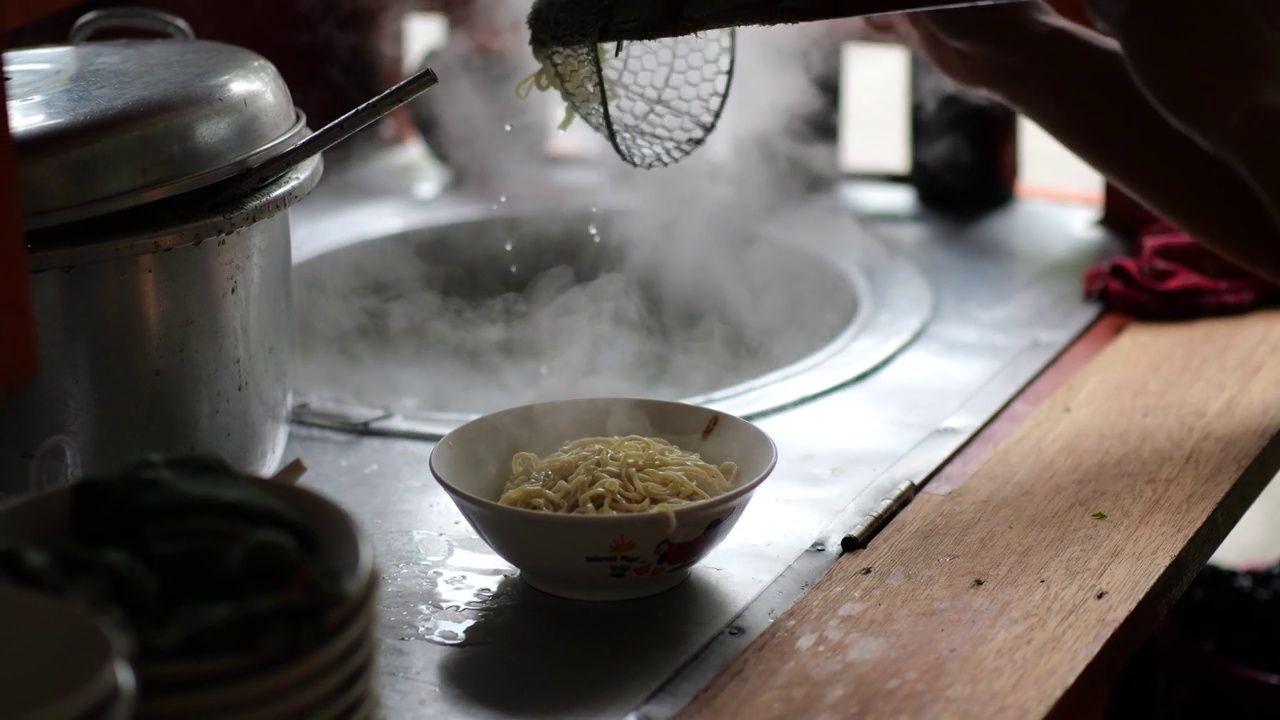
(599, 557)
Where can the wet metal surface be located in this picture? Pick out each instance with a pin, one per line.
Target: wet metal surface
(463, 637)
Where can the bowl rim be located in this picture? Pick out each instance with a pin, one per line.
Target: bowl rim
(584, 518)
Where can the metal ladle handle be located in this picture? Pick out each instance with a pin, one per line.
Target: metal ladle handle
(337, 131)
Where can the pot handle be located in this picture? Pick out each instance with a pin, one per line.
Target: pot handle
(127, 18)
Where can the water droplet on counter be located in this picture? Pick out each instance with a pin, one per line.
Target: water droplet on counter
(502, 198)
(494, 207)
(508, 246)
(513, 268)
(507, 127)
(447, 586)
(593, 229)
(594, 210)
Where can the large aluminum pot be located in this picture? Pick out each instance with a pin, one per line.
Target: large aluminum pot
(169, 339)
(163, 304)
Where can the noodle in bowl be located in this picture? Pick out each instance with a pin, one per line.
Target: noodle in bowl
(603, 498)
(613, 475)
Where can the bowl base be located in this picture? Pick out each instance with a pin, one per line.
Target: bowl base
(621, 591)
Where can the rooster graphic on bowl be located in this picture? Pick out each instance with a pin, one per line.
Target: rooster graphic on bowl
(677, 555)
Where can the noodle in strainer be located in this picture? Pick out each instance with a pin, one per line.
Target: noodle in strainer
(655, 100)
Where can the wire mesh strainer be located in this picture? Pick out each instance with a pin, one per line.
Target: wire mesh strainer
(655, 100)
(652, 76)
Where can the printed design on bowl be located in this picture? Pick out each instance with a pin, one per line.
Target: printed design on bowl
(667, 556)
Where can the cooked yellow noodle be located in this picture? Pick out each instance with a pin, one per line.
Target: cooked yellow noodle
(546, 78)
(612, 475)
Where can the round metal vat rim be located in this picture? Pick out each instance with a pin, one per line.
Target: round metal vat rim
(895, 305)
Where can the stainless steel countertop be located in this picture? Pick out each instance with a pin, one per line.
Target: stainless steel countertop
(463, 637)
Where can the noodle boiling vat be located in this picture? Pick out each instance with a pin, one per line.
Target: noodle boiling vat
(479, 308)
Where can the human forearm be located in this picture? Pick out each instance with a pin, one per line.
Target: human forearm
(1093, 105)
(1260, 158)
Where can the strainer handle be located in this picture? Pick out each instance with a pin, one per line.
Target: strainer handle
(630, 20)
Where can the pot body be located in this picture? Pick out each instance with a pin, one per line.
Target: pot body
(184, 350)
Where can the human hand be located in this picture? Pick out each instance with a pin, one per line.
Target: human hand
(973, 46)
(980, 46)
(1178, 107)
(1215, 73)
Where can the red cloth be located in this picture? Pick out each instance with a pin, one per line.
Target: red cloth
(1173, 276)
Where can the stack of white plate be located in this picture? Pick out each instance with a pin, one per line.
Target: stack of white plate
(332, 680)
(58, 663)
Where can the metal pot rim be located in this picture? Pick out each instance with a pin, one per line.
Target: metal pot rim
(102, 126)
(142, 196)
(166, 225)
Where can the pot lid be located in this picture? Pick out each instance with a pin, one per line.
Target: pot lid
(107, 125)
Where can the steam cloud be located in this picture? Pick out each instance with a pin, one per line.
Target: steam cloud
(675, 298)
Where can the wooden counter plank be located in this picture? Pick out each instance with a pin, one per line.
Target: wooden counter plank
(996, 599)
